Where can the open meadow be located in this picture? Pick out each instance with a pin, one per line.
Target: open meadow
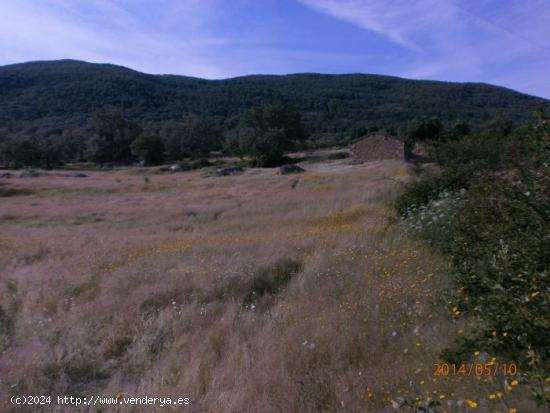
(257, 292)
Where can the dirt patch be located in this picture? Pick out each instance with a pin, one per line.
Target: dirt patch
(377, 146)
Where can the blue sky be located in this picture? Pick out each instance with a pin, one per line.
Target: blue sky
(504, 42)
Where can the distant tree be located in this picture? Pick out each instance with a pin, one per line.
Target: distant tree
(423, 130)
(53, 150)
(75, 145)
(426, 129)
(500, 125)
(149, 148)
(268, 131)
(266, 148)
(20, 152)
(110, 138)
(195, 137)
(3, 149)
(237, 141)
(460, 130)
(277, 115)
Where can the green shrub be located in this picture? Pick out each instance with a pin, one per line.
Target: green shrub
(420, 193)
(489, 210)
(148, 148)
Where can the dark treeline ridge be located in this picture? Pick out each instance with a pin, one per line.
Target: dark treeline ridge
(59, 108)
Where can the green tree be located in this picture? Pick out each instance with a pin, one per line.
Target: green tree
(53, 150)
(267, 148)
(238, 141)
(196, 136)
(269, 131)
(460, 130)
(110, 138)
(277, 115)
(149, 148)
(422, 130)
(426, 129)
(20, 152)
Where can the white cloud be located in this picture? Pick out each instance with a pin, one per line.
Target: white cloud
(402, 21)
(461, 39)
(154, 36)
(101, 31)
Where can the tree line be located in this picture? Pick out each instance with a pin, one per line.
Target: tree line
(263, 134)
(58, 97)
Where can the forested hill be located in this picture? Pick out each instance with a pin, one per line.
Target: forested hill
(63, 94)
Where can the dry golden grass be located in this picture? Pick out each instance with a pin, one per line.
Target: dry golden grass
(253, 293)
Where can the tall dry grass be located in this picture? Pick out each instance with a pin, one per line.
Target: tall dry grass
(254, 293)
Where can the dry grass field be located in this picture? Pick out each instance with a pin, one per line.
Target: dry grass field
(252, 293)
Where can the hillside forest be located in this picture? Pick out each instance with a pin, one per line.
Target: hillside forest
(53, 113)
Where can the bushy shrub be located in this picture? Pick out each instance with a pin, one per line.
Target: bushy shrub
(148, 148)
(266, 133)
(489, 209)
(422, 192)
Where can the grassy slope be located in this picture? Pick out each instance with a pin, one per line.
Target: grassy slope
(116, 283)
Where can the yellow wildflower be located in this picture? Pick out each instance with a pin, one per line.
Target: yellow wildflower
(471, 404)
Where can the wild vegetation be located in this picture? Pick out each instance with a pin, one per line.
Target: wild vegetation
(257, 292)
(487, 208)
(264, 135)
(52, 106)
(338, 289)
